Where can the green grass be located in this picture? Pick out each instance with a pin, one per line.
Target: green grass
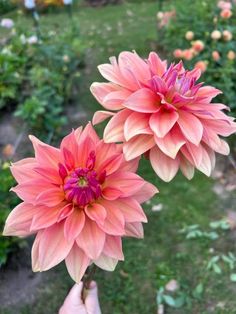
(164, 251)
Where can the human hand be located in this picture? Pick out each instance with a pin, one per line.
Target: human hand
(73, 303)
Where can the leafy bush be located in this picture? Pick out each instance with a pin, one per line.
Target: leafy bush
(6, 6)
(40, 76)
(206, 19)
(7, 202)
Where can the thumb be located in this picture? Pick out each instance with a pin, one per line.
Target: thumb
(73, 300)
(91, 301)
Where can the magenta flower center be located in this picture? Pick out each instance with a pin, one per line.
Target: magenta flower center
(83, 185)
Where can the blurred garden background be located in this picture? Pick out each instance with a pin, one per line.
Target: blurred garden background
(48, 60)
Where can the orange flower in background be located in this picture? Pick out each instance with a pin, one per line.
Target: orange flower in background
(215, 55)
(178, 53)
(201, 65)
(198, 45)
(231, 55)
(226, 14)
(80, 200)
(227, 35)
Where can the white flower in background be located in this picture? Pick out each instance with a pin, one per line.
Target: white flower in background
(172, 285)
(23, 39)
(30, 4)
(66, 58)
(67, 2)
(32, 40)
(7, 23)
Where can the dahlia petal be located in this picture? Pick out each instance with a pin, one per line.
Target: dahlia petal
(134, 229)
(74, 223)
(137, 146)
(162, 122)
(86, 147)
(147, 192)
(190, 126)
(45, 154)
(19, 220)
(208, 92)
(70, 142)
(49, 174)
(115, 100)
(193, 153)
(69, 159)
(164, 166)
(171, 143)
(221, 127)
(114, 131)
(96, 212)
(23, 170)
(205, 165)
(186, 168)
(130, 208)
(28, 191)
(89, 132)
(143, 100)
(105, 262)
(113, 247)
(51, 197)
(44, 217)
(127, 182)
(157, 66)
(131, 165)
(35, 252)
(137, 123)
(91, 239)
(111, 193)
(108, 72)
(53, 247)
(223, 148)
(100, 90)
(101, 116)
(111, 164)
(76, 263)
(65, 212)
(114, 222)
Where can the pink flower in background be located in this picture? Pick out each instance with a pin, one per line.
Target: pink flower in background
(178, 53)
(162, 112)
(80, 199)
(165, 17)
(215, 55)
(188, 54)
(227, 35)
(201, 65)
(224, 5)
(198, 45)
(7, 23)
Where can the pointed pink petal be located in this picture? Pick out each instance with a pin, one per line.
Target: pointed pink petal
(96, 212)
(115, 100)
(89, 132)
(70, 142)
(65, 212)
(51, 197)
(190, 126)
(110, 193)
(35, 253)
(147, 192)
(23, 170)
(131, 165)
(127, 182)
(207, 93)
(205, 165)
(186, 168)
(162, 122)
(110, 164)
(113, 247)
(143, 100)
(109, 72)
(156, 64)
(76, 263)
(86, 147)
(193, 153)
(134, 229)
(105, 262)
(114, 131)
(137, 146)
(114, 222)
(53, 246)
(137, 123)
(130, 208)
(45, 217)
(19, 220)
(28, 191)
(45, 154)
(171, 143)
(164, 166)
(101, 116)
(74, 223)
(91, 239)
(49, 174)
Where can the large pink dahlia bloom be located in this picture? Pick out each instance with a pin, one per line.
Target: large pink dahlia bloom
(80, 199)
(163, 112)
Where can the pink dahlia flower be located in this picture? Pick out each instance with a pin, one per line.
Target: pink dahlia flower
(161, 111)
(80, 199)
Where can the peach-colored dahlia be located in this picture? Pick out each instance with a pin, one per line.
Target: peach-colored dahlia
(80, 199)
(163, 112)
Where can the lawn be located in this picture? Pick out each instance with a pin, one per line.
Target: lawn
(165, 253)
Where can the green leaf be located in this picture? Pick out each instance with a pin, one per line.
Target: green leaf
(233, 277)
(169, 300)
